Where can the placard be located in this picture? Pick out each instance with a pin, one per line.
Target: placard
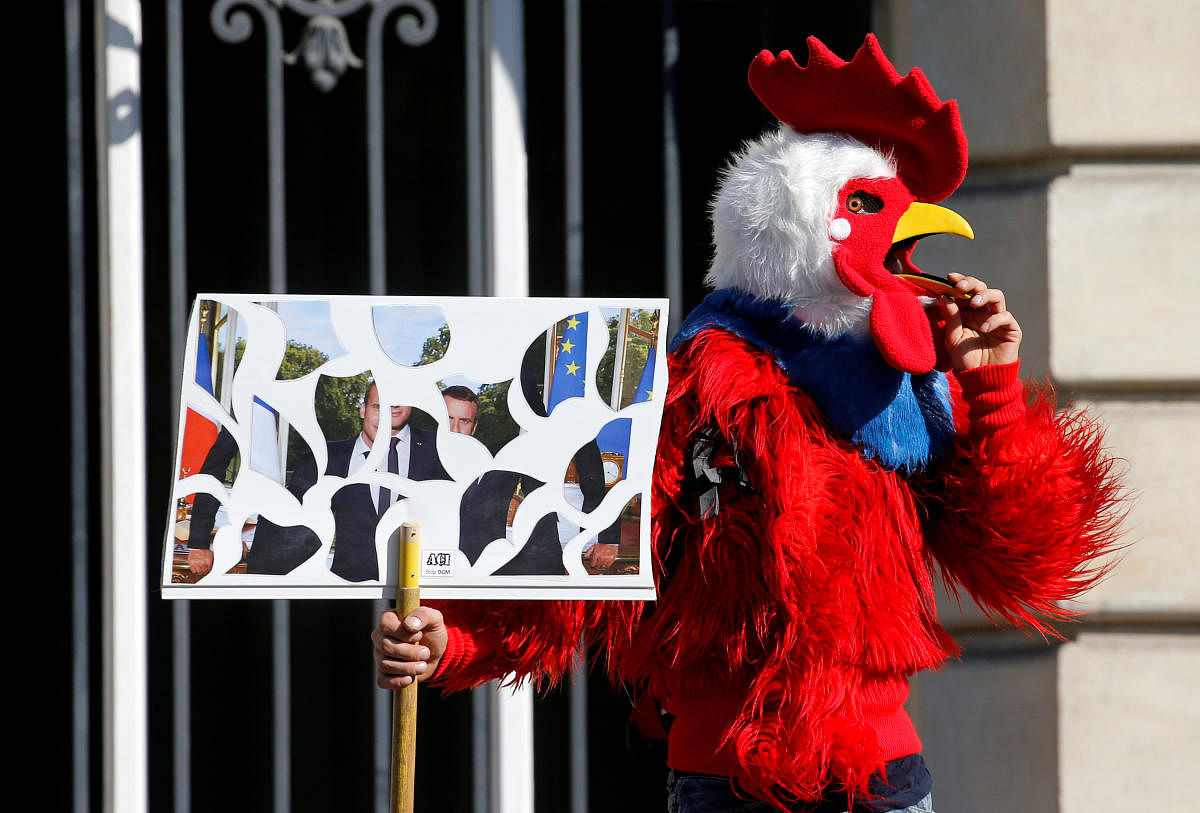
(520, 433)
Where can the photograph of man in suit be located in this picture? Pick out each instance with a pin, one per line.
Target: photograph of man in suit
(462, 406)
(358, 507)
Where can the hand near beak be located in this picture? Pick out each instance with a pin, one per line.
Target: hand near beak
(979, 330)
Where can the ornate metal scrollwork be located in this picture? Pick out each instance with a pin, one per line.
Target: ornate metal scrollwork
(412, 29)
(235, 25)
(324, 47)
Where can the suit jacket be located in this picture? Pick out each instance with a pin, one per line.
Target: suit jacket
(277, 549)
(204, 506)
(355, 513)
(484, 510)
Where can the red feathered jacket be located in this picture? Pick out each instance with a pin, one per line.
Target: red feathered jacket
(787, 625)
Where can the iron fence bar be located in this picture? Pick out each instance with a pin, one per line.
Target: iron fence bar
(277, 261)
(181, 628)
(414, 28)
(579, 732)
(281, 679)
(377, 251)
(573, 151)
(77, 305)
(479, 170)
(573, 148)
(476, 48)
(234, 26)
(672, 201)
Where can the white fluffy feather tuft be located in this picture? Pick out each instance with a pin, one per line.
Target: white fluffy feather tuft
(771, 219)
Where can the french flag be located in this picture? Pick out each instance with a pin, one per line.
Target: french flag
(200, 431)
(264, 441)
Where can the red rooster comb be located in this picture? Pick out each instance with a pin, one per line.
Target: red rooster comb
(867, 99)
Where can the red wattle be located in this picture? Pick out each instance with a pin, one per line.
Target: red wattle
(899, 325)
(901, 332)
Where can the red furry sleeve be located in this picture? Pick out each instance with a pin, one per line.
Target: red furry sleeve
(1028, 504)
(515, 640)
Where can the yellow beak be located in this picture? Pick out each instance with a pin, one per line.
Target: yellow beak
(926, 218)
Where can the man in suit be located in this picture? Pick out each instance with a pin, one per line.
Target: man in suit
(358, 507)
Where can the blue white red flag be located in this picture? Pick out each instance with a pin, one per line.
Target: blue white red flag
(264, 441)
(200, 431)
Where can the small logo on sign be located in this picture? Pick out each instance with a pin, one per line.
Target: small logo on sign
(437, 563)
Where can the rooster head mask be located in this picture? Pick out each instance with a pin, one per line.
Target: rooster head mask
(823, 213)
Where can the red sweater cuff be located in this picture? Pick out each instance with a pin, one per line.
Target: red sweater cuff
(461, 649)
(994, 395)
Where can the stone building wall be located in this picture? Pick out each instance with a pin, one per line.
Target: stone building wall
(1084, 192)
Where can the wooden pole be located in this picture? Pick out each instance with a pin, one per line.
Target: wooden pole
(404, 703)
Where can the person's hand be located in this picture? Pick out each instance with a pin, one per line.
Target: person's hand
(409, 648)
(602, 555)
(980, 330)
(200, 561)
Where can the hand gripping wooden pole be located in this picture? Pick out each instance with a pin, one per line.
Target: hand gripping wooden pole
(404, 702)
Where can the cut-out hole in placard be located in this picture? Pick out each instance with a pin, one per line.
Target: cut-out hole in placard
(219, 348)
(597, 466)
(554, 368)
(541, 555)
(616, 551)
(412, 335)
(275, 550)
(206, 450)
(197, 519)
(480, 410)
(488, 507)
(311, 338)
(625, 374)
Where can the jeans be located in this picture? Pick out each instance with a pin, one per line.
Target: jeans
(697, 793)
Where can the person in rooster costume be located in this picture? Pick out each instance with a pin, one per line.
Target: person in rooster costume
(831, 430)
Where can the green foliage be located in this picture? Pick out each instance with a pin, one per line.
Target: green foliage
(496, 426)
(335, 401)
(637, 350)
(604, 373)
(299, 360)
(435, 347)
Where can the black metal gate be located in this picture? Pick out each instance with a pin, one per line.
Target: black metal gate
(349, 147)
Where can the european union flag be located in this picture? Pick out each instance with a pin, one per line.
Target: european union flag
(570, 361)
(645, 388)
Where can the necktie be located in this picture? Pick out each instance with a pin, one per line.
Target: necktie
(385, 495)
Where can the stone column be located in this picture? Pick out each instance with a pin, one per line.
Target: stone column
(1084, 192)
